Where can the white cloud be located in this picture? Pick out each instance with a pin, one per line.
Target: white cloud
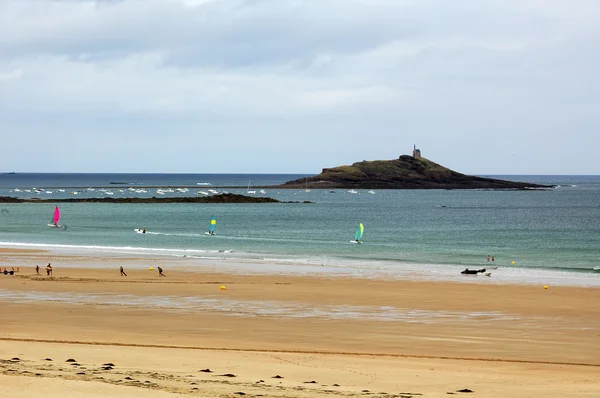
(456, 77)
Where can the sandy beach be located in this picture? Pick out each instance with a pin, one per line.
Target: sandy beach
(348, 335)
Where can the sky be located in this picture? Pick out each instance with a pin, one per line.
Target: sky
(293, 86)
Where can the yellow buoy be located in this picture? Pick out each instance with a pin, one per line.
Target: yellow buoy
(545, 287)
(151, 268)
(223, 288)
(513, 263)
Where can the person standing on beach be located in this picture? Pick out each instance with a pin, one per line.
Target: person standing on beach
(122, 271)
(160, 273)
(37, 269)
(49, 269)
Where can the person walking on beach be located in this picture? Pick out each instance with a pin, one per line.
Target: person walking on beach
(160, 273)
(37, 269)
(49, 269)
(122, 271)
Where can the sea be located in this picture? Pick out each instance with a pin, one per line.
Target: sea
(549, 236)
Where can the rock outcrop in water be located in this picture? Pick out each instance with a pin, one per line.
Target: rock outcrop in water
(406, 172)
(220, 198)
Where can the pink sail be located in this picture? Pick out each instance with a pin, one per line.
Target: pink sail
(56, 215)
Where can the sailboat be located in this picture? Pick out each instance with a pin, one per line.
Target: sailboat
(212, 226)
(55, 218)
(359, 233)
(249, 191)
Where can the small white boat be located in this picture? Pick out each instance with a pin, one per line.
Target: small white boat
(352, 191)
(262, 191)
(249, 191)
(372, 192)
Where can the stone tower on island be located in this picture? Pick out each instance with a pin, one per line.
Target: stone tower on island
(416, 153)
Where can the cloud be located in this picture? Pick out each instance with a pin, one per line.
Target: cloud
(455, 77)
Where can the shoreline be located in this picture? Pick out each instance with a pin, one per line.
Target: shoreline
(236, 263)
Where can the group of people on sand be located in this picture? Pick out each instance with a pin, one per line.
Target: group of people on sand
(122, 271)
(48, 269)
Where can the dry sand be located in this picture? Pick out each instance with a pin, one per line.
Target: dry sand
(415, 338)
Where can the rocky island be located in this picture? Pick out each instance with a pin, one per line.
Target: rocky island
(406, 172)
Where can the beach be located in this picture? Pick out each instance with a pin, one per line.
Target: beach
(347, 334)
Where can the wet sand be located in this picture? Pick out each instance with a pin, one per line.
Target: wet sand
(418, 337)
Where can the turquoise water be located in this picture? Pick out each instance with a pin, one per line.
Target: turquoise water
(557, 229)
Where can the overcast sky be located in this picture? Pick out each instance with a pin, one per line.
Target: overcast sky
(292, 86)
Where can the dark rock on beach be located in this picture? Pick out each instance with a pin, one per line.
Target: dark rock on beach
(406, 172)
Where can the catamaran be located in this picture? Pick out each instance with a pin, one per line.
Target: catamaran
(212, 226)
(359, 233)
(55, 219)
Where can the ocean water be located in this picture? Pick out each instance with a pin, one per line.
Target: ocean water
(549, 234)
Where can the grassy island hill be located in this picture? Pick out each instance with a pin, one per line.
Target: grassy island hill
(406, 172)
